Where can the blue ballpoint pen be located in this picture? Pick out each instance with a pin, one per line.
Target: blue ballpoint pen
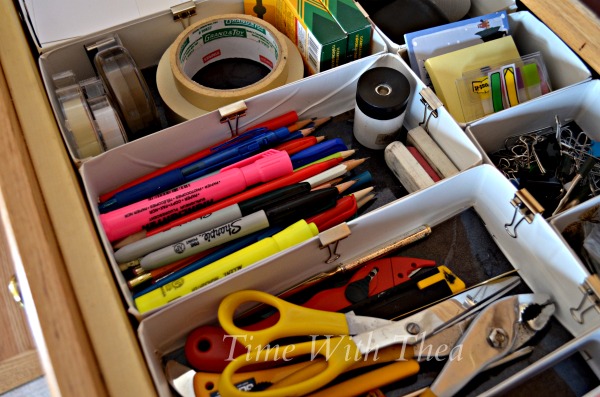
(193, 171)
(222, 252)
(318, 151)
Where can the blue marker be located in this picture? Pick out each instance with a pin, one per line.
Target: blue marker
(317, 152)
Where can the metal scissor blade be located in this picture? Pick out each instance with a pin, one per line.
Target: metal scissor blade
(436, 318)
(181, 378)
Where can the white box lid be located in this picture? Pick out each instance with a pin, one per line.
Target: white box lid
(52, 21)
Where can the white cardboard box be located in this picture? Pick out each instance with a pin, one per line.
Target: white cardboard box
(543, 261)
(146, 38)
(328, 93)
(573, 103)
(564, 67)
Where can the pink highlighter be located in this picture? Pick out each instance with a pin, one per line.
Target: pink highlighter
(263, 167)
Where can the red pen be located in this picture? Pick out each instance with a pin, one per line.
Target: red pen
(296, 145)
(272, 124)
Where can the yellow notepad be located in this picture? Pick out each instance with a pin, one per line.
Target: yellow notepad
(445, 69)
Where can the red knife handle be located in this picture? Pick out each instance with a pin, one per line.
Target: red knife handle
(392, 271)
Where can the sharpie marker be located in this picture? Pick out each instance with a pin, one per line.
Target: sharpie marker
(284, 214)
(206, 222)
(263, 167)
(194, 170)
(290, 236)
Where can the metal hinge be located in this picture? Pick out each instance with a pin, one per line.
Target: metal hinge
(590, 288)
(432, 103)
(527, 206)
(184, 11)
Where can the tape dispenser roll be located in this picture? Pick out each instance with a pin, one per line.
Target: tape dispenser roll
(221, 38)
(91, 121)
(110, 129)
(129, 91)
(79, 122)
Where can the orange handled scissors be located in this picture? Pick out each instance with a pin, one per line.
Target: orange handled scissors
(348, 338)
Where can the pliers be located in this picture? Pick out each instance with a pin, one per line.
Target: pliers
(498, 331)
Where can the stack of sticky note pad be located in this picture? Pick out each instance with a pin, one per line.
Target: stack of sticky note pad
(475, 67)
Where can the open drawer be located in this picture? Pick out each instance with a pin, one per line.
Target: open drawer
(92, 350)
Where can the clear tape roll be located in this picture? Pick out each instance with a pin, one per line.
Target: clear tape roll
(110, 129)
(92, 123)
(222, 37)
(79, 121)
(128, 89)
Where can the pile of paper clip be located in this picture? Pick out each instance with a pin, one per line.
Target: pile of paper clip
(558, 164)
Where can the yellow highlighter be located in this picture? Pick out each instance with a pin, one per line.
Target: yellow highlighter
(290, 236)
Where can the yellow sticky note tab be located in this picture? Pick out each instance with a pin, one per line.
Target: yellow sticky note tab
(444, 70)
(509, 80)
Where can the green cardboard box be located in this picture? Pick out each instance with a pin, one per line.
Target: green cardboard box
(319, 38)
(355, 24)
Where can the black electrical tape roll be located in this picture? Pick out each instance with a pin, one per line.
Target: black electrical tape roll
(382, 93)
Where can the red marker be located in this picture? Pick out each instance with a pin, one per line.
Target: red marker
(277, 122)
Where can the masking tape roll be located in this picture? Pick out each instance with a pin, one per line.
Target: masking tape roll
(79, 121)
(217, 38)
(128, 89)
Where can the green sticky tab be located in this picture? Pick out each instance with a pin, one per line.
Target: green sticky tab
(496, 84)
(530, 75)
